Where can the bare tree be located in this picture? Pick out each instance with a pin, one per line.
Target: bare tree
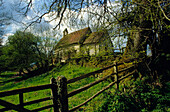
(141, 21)
(57, 9)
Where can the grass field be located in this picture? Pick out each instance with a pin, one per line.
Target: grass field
(69, 71)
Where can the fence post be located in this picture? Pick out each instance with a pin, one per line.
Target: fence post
(136, 75)
(21, 101)
(54, 91)
(116, 76)
(62, 92)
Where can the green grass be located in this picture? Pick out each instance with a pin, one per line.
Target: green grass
(6, 76)
(69, 71)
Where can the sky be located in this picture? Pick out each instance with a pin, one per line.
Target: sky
(11, 8)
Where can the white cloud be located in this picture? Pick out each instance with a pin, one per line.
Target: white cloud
(11, 7)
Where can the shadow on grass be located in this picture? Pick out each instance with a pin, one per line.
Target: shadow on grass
(29, 75)
(7, 76)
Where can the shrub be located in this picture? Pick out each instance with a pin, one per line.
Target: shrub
(143, 98)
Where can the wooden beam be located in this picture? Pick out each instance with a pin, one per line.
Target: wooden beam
(54, 91)
(88, 74)
(99, 92)
(42, 108)
(28, 103)
(97, 71)
(88, 86)
(127, 75)
(25, 90)
(62, 92)
(95, 95)
(125, 69)
(12, 106)
(37, 101)
(21, 100)
(94, 83)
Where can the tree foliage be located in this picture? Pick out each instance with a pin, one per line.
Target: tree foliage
(23, 50)
(19, 52)
(142, 98)
(146, 23)
(142, 22)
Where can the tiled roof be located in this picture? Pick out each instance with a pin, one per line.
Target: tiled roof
(76, 37)
(95, 37)
(83, 36)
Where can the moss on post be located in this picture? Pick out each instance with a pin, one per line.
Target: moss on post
(62, 92)
(55, 94)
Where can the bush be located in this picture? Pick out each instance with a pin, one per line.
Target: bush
(143, 98)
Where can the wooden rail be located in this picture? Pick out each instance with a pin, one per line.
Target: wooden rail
(117, 80)
(88, 74)
(98, 71)
(99, 92)
(59, 95)
(25, 90)
(94, 83)
(20, 107)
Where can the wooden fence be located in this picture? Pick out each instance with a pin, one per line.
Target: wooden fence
(59, 94)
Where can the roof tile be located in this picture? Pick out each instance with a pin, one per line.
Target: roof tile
(75, 37)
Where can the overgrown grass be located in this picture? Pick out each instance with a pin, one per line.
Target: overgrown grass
(69, 71)
(8, 75)
(142, 98)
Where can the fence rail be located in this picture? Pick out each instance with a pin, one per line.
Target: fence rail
(117, 80)
(97, 71)
(98, 93)
(20, 106)
(59, 94)
(25, 90)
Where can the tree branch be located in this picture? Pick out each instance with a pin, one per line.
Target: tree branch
(163, 11)
(62, 14)
(29, 5)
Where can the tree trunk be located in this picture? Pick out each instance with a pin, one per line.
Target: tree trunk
(136, 45)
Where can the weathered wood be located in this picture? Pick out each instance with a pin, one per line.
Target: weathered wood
(59, 91)
(12, 106)
(54, 91)
(94, 83)
(126, 61)
(42, 108)
(28, 103)
(88, 86)
(25, 90)
(62, 92)
(21, 100)
(4, 109)
(99, 92)
(37, 101)
(35, 110)
(97, 71)
(125, 69)
(116, 76)
(88, 74)
(127, 75)
(95, 95)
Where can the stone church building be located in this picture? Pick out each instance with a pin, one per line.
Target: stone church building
(83, 42)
